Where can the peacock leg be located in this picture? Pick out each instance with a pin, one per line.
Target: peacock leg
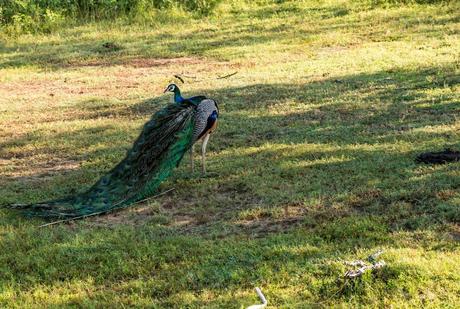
(191, 158)
(203, 153)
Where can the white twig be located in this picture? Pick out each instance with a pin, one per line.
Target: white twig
(363, 266)
(359, 263)
(358, 272)
(373, 257)
(262, 299)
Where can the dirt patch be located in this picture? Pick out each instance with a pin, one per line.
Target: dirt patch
(262, 227)
(39, 171)
(292, 215)
(362, 199)
(106, 79)
(164, 212)
(325, 51)
(183, 220)
(141, 62)
(146, 63)
(130, 216)
(455, 233)
(455, 236)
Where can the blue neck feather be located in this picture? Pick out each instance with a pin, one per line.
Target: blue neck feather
(177, 96)
(178, 99)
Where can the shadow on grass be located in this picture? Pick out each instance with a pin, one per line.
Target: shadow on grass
(336, 176)
(349, 151)
(157, 266)
(113, 257)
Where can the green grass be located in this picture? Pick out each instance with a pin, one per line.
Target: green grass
(312, 163)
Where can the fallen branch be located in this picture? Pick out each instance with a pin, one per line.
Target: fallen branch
(103, 212)
(262, 299)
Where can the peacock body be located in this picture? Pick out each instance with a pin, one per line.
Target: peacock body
(160, 147)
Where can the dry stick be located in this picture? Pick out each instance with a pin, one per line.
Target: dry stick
(180, 77)
(227, 76)
(103, 212)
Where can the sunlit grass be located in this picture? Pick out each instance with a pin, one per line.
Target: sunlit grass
(312, 163)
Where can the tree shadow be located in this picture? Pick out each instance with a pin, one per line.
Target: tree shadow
(292, 186)
(333, 133)
(112, 257)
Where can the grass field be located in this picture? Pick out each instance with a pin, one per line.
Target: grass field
(312, 163)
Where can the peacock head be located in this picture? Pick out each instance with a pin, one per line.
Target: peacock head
(172, 88)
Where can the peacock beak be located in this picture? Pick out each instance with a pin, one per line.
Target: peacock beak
(166, 90)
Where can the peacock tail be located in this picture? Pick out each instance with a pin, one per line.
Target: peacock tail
(160, 147)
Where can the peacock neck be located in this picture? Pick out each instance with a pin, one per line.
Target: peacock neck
(177, 96)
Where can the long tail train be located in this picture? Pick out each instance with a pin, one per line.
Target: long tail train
(157, 151)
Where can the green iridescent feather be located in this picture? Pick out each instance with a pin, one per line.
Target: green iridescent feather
(157, 151)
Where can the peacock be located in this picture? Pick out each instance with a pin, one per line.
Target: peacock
(160, 147)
